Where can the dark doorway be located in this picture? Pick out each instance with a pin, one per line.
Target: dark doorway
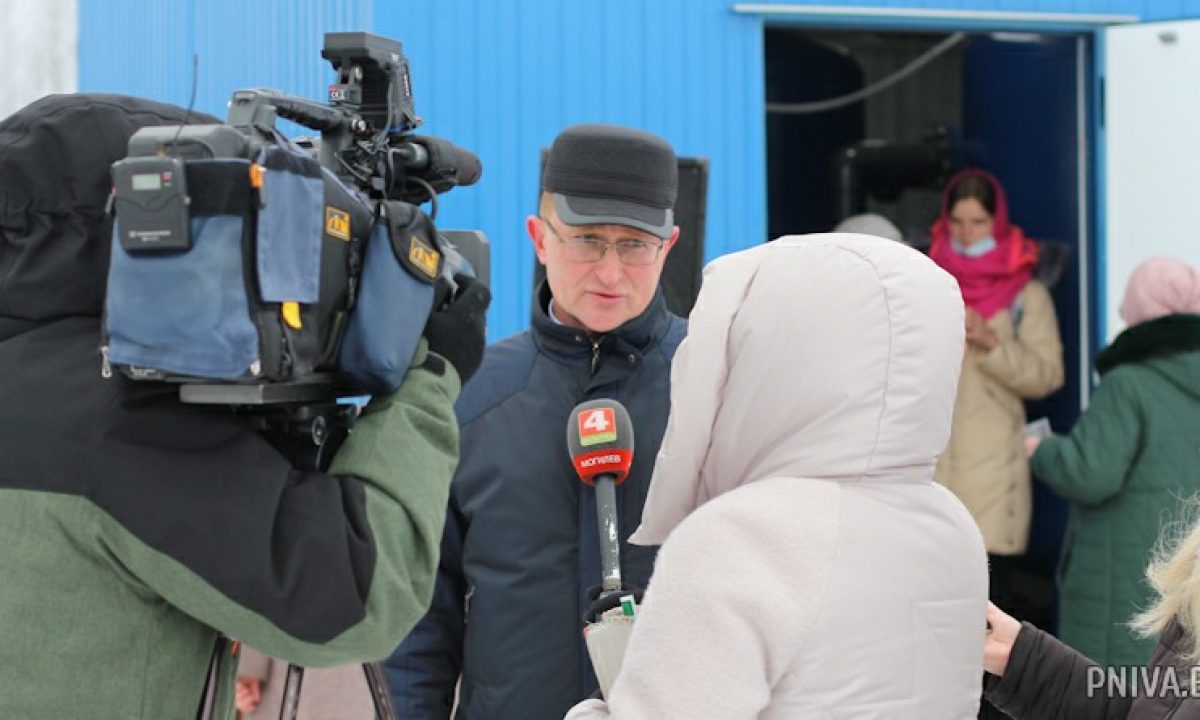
(1010, 103)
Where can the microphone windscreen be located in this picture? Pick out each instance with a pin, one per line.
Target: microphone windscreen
(469, 166)
(600, 439)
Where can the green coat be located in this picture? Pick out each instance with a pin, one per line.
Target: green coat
(1131, 458)
(134, 528)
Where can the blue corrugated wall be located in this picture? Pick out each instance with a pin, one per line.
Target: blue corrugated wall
(502, 78)
(145, 47)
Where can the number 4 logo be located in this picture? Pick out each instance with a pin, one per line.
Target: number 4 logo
(597, 426)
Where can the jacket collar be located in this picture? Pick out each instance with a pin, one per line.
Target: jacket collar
(1167, 335)
(637, 335)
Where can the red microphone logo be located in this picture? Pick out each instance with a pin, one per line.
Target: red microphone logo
(600, 439)
(603, 462)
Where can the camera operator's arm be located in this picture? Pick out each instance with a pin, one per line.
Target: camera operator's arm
(332, 568)
(399, 592)
(313, 568)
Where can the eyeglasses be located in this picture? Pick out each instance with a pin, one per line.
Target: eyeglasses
(590, 249)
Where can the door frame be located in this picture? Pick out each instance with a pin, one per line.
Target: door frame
(1089, 30)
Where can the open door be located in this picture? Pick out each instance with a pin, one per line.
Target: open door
(1150, 131)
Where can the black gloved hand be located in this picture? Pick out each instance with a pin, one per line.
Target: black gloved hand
(601, 605)
(456, 332)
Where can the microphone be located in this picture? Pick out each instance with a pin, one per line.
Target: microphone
(600, 439)
(470, 169)
(439, 162)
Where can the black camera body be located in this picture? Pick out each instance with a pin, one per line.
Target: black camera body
(255, 270)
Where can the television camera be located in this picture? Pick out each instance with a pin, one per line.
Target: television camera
(275, 276)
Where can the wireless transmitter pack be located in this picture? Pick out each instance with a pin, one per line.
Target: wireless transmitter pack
(152, 204)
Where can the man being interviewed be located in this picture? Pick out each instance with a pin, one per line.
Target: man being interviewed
(521, 543)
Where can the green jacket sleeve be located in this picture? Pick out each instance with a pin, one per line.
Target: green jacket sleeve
(1090, 464)
(330, 568)
(1030, 362)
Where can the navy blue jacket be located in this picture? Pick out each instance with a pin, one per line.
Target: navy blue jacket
(521, 542)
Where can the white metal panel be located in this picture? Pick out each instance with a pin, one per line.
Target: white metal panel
(38, 51)
(1152, 119)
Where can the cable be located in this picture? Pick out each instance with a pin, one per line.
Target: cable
(433, 195)
(362, 178)
(816, 106)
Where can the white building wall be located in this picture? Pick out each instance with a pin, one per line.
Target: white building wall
(38, 55)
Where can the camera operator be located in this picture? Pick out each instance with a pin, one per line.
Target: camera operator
(134, 529)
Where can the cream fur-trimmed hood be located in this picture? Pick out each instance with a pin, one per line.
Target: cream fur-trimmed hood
(847, 372)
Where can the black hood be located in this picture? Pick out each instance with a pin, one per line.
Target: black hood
(1167, 336)
(55, 161)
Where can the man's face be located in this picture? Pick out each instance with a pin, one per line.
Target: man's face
(601, 295)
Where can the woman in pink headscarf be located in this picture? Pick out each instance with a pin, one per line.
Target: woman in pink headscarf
(1127, 463)
(1013, 354)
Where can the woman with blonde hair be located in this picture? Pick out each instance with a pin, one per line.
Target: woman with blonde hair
(1040, 677)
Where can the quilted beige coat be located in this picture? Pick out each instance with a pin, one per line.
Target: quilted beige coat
(984, 463)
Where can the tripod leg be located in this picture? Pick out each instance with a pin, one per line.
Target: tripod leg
(217, 670)
(380, 694)
(291, 693)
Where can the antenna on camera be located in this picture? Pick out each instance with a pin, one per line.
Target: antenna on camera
(191, 103)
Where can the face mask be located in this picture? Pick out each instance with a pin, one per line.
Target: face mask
(980, 247)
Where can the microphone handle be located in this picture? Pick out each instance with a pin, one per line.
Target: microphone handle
(606, 521)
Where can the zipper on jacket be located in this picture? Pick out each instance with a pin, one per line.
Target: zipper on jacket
(595, 354)
(105, 366)
(1175, 707)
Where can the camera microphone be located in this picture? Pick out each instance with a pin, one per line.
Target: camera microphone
(469, 167)
(439, 162)
(600, 439)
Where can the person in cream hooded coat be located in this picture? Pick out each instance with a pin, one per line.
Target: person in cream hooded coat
(810, 568)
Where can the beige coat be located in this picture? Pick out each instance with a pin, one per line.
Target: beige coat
(984, 463)
(810, 568)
